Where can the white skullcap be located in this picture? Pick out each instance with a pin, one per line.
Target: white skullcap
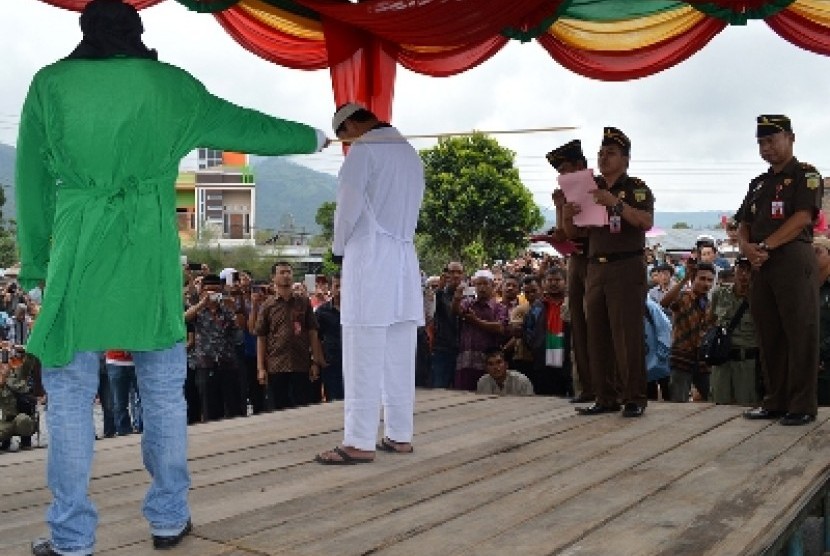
(483, 274)
(345, 112)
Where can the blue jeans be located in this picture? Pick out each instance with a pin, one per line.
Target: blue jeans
(122, 378)
(72, 518)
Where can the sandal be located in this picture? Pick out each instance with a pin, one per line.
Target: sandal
(386, 444)
(345, 458)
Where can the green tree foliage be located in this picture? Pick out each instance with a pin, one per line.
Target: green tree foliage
(475, 207)
(8, 233)
(680, 226)
(325, 219)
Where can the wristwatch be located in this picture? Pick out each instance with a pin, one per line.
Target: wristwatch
(763, 245)
(618, 208)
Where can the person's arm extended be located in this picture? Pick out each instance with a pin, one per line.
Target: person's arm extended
(674, 293)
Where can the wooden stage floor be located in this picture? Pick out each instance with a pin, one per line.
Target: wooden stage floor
(489, 476)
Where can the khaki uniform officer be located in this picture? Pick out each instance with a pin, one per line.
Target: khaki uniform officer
(616, 282)
(566, 159)
(776, 231)
(12, 423)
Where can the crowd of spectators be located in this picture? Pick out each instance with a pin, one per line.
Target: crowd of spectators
(519, 309)
(263, 345)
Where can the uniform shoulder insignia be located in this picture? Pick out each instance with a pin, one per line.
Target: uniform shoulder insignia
(636, 181)
(807, 167)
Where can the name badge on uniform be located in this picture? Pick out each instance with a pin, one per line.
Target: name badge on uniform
(777, 211)
(615, 223)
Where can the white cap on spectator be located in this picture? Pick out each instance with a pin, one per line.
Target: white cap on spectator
(484, 273)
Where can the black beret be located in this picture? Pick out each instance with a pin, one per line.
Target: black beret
(569, 152)
(613, 136)
(769, 124)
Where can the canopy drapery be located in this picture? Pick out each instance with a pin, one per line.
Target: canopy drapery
(363, 43)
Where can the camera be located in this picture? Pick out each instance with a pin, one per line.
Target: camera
(215, 297)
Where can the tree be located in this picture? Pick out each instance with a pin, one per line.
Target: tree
(475, 206)
(8, 233)
(680, 226)
(325, 219)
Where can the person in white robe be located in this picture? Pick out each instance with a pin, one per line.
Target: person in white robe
(379, 195)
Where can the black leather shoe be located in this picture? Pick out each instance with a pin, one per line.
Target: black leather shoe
(761, 413)
(43, 547)
(633, 410)
(796, 419)
(163, 543)
(582, 398)
(597, 409)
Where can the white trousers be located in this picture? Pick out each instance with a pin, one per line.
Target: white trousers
(378, 366)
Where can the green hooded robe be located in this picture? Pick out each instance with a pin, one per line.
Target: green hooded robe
(97, 159)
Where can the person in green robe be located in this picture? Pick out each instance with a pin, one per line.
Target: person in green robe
(102, 133)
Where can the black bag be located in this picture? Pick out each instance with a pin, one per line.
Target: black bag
(26, 402)
(716, 345)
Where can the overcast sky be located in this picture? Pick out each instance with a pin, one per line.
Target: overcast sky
(692, 126)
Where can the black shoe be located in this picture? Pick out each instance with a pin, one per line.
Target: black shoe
(796, 419)
(582, 398)
(761, 413)
(25, 443)
(597, 409)
(163, 543)
(43, 547)
(633, 410)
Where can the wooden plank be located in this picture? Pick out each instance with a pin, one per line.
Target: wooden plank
(434, 496)
(246, 491)
(567, 525)
(489, 475)
(453, 520)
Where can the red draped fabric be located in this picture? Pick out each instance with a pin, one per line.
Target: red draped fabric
(633, 64)
(801, 32)
(362, 68)
(271, 44)
(435, 22)
(451, 61)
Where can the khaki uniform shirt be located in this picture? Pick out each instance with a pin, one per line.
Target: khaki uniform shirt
(635, 193)
(724, 306)
(798, 186)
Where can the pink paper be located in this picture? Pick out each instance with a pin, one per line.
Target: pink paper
(576, 186)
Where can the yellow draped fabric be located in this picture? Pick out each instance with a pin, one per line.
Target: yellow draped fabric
(283, 21)
(817, 11)
(625, 35)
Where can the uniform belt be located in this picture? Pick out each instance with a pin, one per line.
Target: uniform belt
(741, 354)
(612, 257)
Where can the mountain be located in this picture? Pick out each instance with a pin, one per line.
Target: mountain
(7, 157)
(287, 191)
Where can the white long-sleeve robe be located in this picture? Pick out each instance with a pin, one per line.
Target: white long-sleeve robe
(381, 186)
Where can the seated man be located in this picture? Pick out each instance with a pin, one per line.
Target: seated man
(501, 381)
(12, 421)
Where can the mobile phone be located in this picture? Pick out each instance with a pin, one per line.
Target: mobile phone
(194, 266)
(4, 356)
(235, 278)
(469, 291)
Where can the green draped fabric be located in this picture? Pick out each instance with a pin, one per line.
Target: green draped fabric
(770, 8)
(207, 6)
(615, 10)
